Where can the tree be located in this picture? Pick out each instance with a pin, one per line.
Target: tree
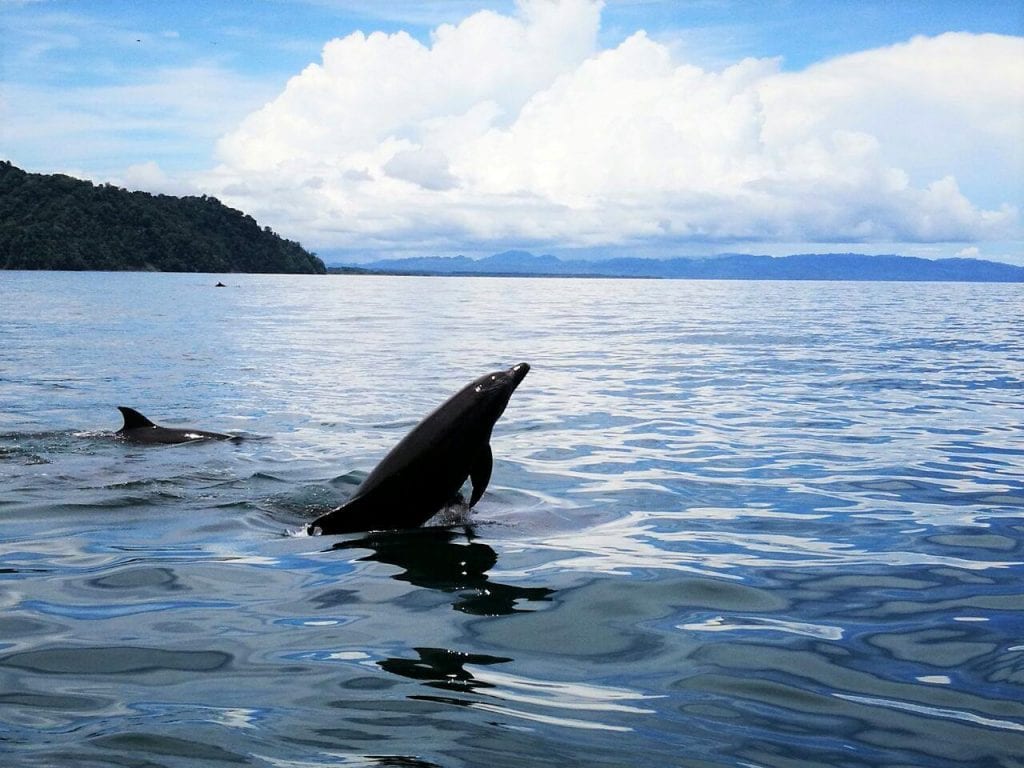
(57, 222)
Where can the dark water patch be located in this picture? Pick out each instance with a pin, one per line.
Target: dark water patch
(1004, 666)
(123, 660)
(940, 647)
(973, 540)
(146, 580)
(149, 745)
(13, 571)
(860, 596)
(15, 626)
(980, 450)
(368, 684)
(912, 487)
(883, 383)
(633, 617)
(785, 693)
(810, 666)
(55, 702)
(99, 612)
(98, 499)
(334, 598)
(966, 607)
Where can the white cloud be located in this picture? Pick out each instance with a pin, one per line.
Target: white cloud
(150, 177)
(519, 129)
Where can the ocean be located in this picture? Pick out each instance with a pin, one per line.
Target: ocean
(759, 524)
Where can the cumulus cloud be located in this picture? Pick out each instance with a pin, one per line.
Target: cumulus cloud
(520, 129)
(151, 177)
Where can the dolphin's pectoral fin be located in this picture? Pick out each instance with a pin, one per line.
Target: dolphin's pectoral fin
(480, 473)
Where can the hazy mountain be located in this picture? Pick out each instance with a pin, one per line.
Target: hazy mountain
(831, 266)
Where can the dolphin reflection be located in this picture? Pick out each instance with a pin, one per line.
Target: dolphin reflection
(442, 668)
(436, 558)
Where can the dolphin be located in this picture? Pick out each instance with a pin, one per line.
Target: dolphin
(140, 429)
(426, 469)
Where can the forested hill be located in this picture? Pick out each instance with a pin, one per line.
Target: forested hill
(58, 222)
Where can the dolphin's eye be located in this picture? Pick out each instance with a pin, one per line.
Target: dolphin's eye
(479, 388)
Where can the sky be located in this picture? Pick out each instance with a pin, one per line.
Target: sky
(658, 128)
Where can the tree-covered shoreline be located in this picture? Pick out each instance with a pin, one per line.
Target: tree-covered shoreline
(59, 222)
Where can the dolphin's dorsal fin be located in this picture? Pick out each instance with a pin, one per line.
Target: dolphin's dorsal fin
(133, 419)
(480, 473)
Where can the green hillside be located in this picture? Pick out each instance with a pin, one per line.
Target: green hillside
(58, 222)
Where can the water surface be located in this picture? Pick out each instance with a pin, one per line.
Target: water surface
(729, 524)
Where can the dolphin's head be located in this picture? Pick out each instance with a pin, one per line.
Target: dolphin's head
(493, 390)
(502, 380)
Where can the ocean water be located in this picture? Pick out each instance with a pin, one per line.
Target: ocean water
(729, 524)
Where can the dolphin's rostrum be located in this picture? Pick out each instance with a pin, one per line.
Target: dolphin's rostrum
(140, 429)
(426, 469)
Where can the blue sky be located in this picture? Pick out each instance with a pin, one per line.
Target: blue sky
(568, 126)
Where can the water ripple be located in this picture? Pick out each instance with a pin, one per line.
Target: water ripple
(771, 524)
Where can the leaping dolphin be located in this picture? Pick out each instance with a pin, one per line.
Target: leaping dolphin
(140, 429)
(426, 469)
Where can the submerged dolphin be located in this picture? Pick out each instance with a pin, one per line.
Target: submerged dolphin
(429, 465)
(140, 429)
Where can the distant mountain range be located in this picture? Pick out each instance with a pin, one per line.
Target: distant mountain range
(831, 266)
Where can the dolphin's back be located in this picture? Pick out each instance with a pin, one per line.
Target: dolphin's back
(426, 469)
(140, 429)
(421, 474)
